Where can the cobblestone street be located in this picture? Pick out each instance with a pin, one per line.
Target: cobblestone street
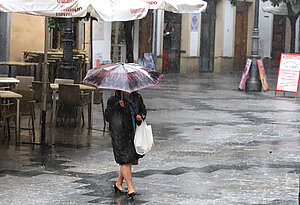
(213, 145)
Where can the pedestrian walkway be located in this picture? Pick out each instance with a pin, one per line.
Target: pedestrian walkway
(213, 145)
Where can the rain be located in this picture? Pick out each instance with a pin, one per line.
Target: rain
(215, 141)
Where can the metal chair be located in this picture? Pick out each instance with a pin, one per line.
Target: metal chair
(37, 86)
(8, 110)
(70, 96)
(27, 107)
(25, 82)
(63, 81)
(98, 99)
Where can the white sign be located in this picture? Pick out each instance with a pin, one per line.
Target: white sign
(288, 74)
(245, 74)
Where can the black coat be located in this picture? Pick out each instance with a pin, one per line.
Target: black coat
(122, 131)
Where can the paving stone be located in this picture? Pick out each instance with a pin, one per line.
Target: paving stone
(213, 145)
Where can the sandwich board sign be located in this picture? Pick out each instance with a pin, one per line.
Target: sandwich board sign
(263, 77)
(288, 73)
(245, 74)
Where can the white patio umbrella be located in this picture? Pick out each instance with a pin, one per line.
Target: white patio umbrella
(178, 6)
(281, 9)
(106, 10)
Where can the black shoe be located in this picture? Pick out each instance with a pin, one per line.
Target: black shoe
(131, 195)
(119, 191)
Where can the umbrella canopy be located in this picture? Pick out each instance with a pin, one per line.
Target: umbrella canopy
(106, 10)
(178, 6)
(281, 9)
(127, 77)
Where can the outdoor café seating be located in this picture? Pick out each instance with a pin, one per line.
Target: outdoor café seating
(25, 82)
(55, 61)
(37, 86)
(27, 107)
(63, 81)
(8, 111)
(4, 86)
(98, 99)
(70, 96)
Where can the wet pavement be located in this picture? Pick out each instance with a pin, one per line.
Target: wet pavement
(213, 145)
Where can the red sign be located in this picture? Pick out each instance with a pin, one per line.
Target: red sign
(245, 74)
(65, 1)
(150, 2)
(135, 11)
(288, 73)
(263, 77)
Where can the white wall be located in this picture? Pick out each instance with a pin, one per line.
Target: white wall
(136, 40)
(228, 30)
(101, 41)
(265, 30)
(158, 31)
(297, 46)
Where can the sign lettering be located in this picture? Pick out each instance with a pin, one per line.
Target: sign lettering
(150, 2)
(65, 1)
(134, 11)
(288, 73)
(245, 74)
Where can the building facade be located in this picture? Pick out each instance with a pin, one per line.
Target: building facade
(218, 40)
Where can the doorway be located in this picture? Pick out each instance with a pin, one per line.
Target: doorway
(171, 42)
(241, 32)
(207, 39)
(145, 34)
(278, 40)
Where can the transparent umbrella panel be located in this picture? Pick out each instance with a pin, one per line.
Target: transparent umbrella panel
(127, 77)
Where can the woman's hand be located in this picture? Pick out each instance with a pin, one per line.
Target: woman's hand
(121, 102)
(139, 118)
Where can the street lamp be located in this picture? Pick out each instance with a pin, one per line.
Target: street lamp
(253, 83)
(67, 70)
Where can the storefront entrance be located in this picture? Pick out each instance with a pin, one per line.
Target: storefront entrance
(171, 42)
(207, 40)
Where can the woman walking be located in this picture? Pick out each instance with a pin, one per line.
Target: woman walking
(124, 111)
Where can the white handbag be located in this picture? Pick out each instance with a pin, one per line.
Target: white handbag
(143, 138)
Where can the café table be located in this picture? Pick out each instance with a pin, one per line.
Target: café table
(55, 58)
(9, 80)
(21, 65)
(6, 94)
(55, 87)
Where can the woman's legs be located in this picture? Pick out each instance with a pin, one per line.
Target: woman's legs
(120, 180)
(125, 169)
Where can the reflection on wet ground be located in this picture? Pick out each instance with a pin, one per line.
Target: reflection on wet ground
(213, 145)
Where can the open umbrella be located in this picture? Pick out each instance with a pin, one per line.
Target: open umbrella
(127, 77)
